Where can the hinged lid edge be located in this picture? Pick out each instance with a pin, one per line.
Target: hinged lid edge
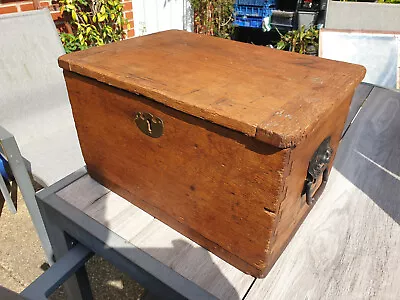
(285, 127)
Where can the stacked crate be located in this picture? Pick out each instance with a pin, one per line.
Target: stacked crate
(250, 13)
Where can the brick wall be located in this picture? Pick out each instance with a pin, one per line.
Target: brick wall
(11, 6)
(128, 13)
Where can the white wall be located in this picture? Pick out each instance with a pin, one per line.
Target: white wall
(158, 15)
(362, 16)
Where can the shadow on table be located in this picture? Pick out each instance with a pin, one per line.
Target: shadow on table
(195, 263)
(197, 256)
(369, 154)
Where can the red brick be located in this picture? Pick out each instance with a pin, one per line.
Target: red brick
(131, 33)
(8, 9)
(26, 6)
(44, 4)
(128, 6)
(129, 15)
(56, 15)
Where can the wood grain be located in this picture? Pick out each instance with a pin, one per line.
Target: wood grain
(221, 187)
(140, 230)
(276, 96)
(292, 209)
(217, 186)
(349, 245)
(240, 176)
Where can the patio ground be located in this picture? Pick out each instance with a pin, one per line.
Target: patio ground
(22, 261)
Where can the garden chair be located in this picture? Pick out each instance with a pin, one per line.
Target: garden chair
(34, 108)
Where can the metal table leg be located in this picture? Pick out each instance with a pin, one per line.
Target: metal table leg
(77, 287)
(58, 273)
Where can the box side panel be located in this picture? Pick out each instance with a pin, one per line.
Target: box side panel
(294, 208)
(216, 186)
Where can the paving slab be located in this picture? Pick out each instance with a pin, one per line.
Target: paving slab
(7, 280)
(20, 252)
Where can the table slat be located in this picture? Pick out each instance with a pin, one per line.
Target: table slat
(82, 192)
(192, 261)
(119, 215)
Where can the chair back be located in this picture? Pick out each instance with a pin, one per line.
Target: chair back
(33, 96)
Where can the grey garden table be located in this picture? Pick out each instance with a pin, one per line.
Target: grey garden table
(347, 248)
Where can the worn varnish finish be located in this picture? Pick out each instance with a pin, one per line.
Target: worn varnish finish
(275, 96)
(235, 192)
(292, 211)
(236, 185)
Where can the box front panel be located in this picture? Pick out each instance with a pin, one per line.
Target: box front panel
(217, 186)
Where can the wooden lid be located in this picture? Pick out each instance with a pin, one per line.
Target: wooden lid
(272, 95)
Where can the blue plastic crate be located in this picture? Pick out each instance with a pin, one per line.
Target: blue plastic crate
(245, 21)
(252, 21)
(251, 2)
(255, 2)
(3, 167)
(251, 15)
(251, 18)
(250, 11)
(268, 11)
(253, 11)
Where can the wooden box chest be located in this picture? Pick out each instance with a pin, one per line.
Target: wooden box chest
(223, 141)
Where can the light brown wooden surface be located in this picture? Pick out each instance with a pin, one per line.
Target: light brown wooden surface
(276, 96)
(217, 186)
(292, 210)
(224, 189)
(234, 194)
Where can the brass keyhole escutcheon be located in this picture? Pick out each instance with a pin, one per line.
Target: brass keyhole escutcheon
(149, 124)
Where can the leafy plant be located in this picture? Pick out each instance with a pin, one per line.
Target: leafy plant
(71, 43)
(93, 23)
(213, 17)
(300, 41)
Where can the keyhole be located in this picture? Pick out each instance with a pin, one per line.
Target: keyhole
(148, 125)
